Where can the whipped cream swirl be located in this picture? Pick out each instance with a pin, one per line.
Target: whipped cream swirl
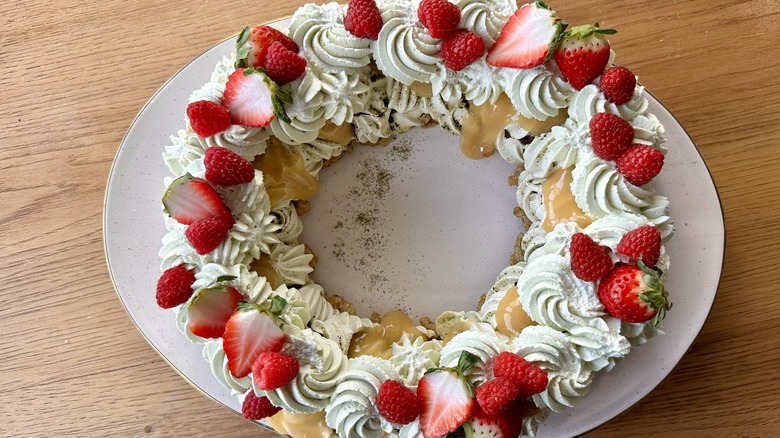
(536, 93)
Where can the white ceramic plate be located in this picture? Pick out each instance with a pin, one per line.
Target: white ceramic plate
(441, 230)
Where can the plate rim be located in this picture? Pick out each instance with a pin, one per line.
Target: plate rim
(597, 425)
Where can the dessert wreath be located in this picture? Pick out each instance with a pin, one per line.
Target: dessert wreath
(585, 282)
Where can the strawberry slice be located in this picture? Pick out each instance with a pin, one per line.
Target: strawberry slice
(189, 199)
(253, 99)
(527, 38)
(250, 331)
(210, 310)
(446, 398)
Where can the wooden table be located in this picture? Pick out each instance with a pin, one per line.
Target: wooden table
(73, 75)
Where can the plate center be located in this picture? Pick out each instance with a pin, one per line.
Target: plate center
(414, 225)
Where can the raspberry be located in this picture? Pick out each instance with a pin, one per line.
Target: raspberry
(440, 17)
(617, 84)
(253, 45)
(494, 396)
(174, 287)
(226, 168)
(461, 48)
(643, 243)
(363, 19)
(255, 408)
(206, 234)
(589, 260)
(208, 118)
(530, 378)
(272, 370)
(283, 65)
(640, 164)
(397, 403)
(610, 135)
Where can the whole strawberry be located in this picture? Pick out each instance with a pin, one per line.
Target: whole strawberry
(363, 19)
(272, 370)
(583, 54)
(589, 260)
(460, 48)
(256, 408)
(397, 403)
(530, 378)
(640, 164)
(252, 45)
(283, 65)
(208, 118)
(610, 135)
(174, 286)
(495, 395)
(440, 17)
(634, 293)
(226, 168)
(643, 243)
(205, 235)
(617, 84)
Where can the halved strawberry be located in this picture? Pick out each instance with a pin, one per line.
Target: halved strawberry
(250, 331)
(583, 54)
(507, 424)
(446, 398)
(253, 43)
(253, 99)
(210, 310)
(189, 199)
(528, 37)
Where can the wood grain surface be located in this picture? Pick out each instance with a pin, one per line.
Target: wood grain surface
(73, 75)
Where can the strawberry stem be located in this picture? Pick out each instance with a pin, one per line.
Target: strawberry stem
(277, 305)
(656, 296)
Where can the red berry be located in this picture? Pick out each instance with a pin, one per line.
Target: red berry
(617, 84)
(189, 199)
(589, 260)
(256, 408)
(583, 54)
(249, 332)
(643, 243)
(494, 396)
(272, 370)
(226, 168)
(640, 164)
(634, 294)
(397, 403)
(253, 45)
(530, 378)
(206, 234)
(174, 287)
(283, 65)
(208, 118)
(440, 17)
(363, 19)
(525, 40)
(610, 135)
(461, 48)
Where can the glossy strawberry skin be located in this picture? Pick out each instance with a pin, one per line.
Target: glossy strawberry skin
(634, 294)
(583, 54)
(253, 43)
